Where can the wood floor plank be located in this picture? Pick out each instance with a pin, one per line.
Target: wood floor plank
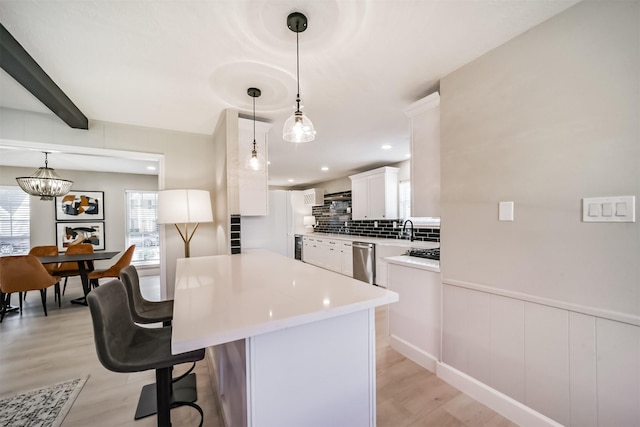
(37, 351)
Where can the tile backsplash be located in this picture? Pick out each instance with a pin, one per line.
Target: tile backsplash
(335, 217)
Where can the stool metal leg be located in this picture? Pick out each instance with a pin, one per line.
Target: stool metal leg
(163, 396)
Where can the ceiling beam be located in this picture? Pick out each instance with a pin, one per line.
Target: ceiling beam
(25, 70)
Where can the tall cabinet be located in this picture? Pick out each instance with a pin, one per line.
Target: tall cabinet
(252, 184)
(425, 156)
(374, 194)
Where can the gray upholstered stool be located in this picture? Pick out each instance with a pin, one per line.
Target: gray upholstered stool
(123, 346)
(142, 310)
(145, 312)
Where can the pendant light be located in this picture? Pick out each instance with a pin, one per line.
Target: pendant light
(45, 182)
(298, 128)
(255, 161)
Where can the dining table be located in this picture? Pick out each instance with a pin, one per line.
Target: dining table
(85, 266)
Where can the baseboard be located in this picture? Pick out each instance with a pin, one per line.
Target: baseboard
(502, 404)
(413, 353)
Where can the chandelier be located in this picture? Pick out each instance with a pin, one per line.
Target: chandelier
(45, 182)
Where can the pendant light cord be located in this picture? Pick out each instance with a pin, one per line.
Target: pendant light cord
(254, 123)
(298, 67)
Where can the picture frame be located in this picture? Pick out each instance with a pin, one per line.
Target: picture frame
(70, 233)
(79, 205)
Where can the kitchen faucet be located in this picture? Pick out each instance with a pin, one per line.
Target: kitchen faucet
(405, 226)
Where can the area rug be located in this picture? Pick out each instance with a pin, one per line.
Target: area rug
(44, 407)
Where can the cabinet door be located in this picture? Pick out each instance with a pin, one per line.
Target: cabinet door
(360, 199)
(346, 252)
(377, 196)
(253, 194)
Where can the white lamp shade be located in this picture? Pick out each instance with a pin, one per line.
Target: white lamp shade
(309, 220)
(184, 206)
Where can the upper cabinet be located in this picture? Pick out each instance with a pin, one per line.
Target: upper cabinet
(252, 184)
(375, 194)
(425, 156)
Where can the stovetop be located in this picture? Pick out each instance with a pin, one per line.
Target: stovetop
(425, 253)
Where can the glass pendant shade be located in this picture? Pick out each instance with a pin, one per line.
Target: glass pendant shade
(45, 182)
(255, 161)
(298, 128)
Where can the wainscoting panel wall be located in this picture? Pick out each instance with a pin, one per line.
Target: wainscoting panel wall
(577, 369)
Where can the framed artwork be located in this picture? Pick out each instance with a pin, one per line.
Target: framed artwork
(80, 206)
(73, 233)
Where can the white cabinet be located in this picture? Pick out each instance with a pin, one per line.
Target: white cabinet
(346, 252)
(313, 197)
(414, 321)
(383, 251)
(375, 194)
(253, 189)
(425, 156)
(331, 254)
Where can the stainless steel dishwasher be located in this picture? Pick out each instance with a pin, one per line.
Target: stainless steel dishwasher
(364, 262)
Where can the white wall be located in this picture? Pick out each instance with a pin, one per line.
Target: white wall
(114, 185)
(546, 309)
(188, 163)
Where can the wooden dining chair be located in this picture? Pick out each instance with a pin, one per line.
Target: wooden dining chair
(68, 269)
(114, 270)
(23, 273)
(49, 250)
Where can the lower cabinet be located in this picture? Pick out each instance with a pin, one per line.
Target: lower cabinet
(334, 255)
(414, 321)
(346, 252)
(383, 251)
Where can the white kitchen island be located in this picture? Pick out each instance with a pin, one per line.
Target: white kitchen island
(291, 344)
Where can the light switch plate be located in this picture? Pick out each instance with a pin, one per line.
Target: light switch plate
(505, 211)
(609, 209)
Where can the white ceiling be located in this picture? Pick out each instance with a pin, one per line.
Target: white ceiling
(177, 64)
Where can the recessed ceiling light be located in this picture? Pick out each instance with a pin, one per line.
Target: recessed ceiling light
(268, 162)
(386, 147)
(407, 155)
(324, 168)
(290, 180)
(151, 168)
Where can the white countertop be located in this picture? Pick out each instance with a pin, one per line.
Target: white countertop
(378, 241)
(415, 262)
(224, 298)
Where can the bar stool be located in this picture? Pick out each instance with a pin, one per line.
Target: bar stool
(145, 312)
(123, 346)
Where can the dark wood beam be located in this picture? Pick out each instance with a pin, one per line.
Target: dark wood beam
(21, 66)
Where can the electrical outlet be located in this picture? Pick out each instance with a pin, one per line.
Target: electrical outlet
(395, 224)
(375, 224)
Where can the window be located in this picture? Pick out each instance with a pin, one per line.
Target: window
(14, 221)
(404, 199)
(142, 226)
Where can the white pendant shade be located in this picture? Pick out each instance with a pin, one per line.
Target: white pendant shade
(298, 128)
(184, 206)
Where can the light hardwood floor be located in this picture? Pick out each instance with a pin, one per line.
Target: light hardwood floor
(36, 351)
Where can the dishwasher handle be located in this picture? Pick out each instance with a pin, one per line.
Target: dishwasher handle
(362, 245)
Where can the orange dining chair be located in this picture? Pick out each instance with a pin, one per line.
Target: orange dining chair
(114, 270)
(23, 273)
(68, 269)
(51, 250)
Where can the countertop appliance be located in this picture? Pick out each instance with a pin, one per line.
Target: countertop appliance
(364, 262)
(433, 253)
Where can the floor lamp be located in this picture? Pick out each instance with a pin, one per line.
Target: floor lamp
(184, 207)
